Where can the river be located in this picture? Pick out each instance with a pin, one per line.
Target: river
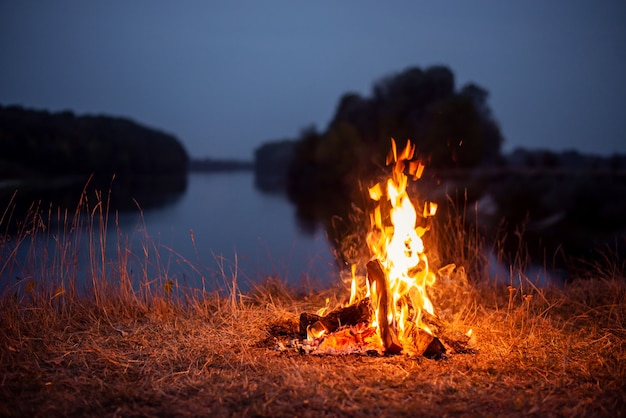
(221, 227)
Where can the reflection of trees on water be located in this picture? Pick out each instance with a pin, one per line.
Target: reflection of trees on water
(345, 216)
(345, 224)
(558, 222)
(118, 195)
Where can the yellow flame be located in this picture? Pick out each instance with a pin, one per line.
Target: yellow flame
(325, 309)
(314, 331)
(398, 245)
(376, 192)
(353, 286)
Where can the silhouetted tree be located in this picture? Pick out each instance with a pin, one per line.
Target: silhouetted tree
(449, 128)
(332, 169)
(48, 144)
(149, 167)
(271, 163)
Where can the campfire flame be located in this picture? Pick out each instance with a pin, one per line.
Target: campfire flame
(398, 274)
(396, 241)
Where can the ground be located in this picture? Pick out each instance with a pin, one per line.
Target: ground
(540, 352)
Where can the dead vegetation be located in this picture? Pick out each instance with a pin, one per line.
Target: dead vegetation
(548, 352)
(153, 348)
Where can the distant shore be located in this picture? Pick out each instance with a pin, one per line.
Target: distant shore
(213, 165)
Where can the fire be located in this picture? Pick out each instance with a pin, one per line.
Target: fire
(396, 242)
(398, 274)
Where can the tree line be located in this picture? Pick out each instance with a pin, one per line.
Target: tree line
(41, 143)
(556, 208)
(452, 128)
(50, 157)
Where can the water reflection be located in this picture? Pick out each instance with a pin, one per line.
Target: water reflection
(22, 197)
(229, 218)
(218, 227)
(513, 216)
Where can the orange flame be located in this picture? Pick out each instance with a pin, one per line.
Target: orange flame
(396, 241)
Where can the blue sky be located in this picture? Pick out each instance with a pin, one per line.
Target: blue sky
(225, 77)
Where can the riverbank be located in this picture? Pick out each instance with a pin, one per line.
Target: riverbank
(158, 352)
(131, 338)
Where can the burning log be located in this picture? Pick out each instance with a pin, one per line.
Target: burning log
(390, 339)
(346, 316)
(397, 285)
(428, 345)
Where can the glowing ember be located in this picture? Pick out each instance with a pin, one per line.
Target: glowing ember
(356, 339)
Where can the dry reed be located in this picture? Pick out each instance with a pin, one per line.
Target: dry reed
(141, 344)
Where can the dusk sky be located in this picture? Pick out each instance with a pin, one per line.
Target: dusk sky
(225, 77)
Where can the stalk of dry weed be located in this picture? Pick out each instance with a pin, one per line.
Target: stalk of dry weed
(135, 344)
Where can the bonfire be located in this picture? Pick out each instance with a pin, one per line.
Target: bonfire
(386, 312)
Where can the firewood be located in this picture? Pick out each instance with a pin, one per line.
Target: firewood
(428, 345)
(375, 274)
(345, 316)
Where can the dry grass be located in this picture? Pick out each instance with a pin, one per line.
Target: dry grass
(561, 353)
(139, 349)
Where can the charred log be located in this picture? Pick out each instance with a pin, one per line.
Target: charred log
(346, 316)
(428, 345)
(375, 274)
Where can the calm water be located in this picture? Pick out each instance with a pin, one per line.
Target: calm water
(221, 226)
(230, 219)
